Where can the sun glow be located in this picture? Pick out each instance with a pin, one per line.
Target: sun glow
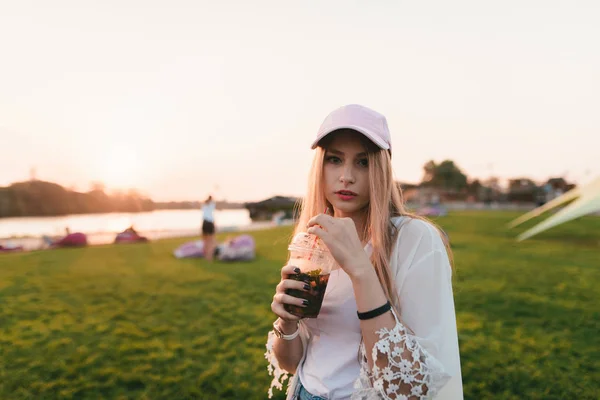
(121, 168)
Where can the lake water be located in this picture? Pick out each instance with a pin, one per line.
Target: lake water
(101, 228)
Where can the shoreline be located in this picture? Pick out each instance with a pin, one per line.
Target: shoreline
(103, 238)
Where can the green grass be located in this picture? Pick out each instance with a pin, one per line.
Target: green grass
(133, 322)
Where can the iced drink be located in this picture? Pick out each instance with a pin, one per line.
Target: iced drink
(311, 256)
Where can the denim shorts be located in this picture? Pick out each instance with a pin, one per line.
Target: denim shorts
(303, 394)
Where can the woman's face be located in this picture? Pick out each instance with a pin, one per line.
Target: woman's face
(346, 173)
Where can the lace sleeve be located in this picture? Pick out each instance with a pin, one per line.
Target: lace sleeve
(411, 372)
(279, 374)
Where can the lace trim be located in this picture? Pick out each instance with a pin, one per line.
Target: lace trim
(411, 372)
(279, 374)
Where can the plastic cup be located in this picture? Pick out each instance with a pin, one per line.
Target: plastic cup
(308, 253)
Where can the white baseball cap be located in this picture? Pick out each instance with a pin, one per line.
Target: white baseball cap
(361, 119)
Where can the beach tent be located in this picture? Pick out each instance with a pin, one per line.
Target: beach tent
(587, 200)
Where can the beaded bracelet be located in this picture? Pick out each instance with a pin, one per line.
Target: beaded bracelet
(374, 313)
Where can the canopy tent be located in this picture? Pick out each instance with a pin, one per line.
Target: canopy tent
(588, 201)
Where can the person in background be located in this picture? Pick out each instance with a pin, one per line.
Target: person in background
(208, 228)
(131, 230)
(71, 239)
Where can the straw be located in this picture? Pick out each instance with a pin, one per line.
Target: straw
(316, 238)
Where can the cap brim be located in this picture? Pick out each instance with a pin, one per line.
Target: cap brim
(378, 142)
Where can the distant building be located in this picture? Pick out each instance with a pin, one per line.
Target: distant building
(560, 184)
(265, 210)
(555, 187)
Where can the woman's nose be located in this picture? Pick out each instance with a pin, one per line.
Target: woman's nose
(347, 176)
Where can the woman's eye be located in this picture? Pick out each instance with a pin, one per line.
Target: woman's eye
(363, 163)
(333, 159)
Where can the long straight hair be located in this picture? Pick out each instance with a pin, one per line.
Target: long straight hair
(385, 202)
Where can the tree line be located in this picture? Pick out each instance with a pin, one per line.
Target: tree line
(40, 198)
(447, 179)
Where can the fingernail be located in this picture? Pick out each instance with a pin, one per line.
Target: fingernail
(297, 270)
(305, 302)
(307, 287)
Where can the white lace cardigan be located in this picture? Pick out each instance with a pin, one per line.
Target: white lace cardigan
(422, 275)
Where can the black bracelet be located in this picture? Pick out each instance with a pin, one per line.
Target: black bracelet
(376, 312)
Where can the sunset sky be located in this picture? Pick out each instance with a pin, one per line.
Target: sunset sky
(184, 98)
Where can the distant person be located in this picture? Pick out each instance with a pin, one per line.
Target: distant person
(278, 217)
(131, 230)
(208, 228)
(75, 239)
(10, 248)
(130, 235)
(54, 241)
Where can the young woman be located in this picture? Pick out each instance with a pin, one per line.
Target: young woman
(387, 326)
(208, 228)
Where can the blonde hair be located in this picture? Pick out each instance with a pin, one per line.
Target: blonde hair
(385, 202)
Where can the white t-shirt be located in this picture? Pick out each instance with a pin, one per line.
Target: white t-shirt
(208, 210)
(330, 368)
(423, 277)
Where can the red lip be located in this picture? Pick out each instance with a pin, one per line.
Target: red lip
(346, 193)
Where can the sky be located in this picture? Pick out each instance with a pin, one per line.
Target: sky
(180, 99)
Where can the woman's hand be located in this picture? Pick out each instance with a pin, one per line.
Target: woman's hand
(341, 238)
(280, 298)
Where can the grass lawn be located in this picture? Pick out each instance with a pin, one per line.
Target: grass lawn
(133, 322)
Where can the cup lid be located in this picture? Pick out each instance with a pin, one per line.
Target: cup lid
(308, 242)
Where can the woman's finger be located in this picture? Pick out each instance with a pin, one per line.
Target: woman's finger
(319, 232)
(292, 284)
(278, 309)
(289, 270)
(283, 298)
(322, 219)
